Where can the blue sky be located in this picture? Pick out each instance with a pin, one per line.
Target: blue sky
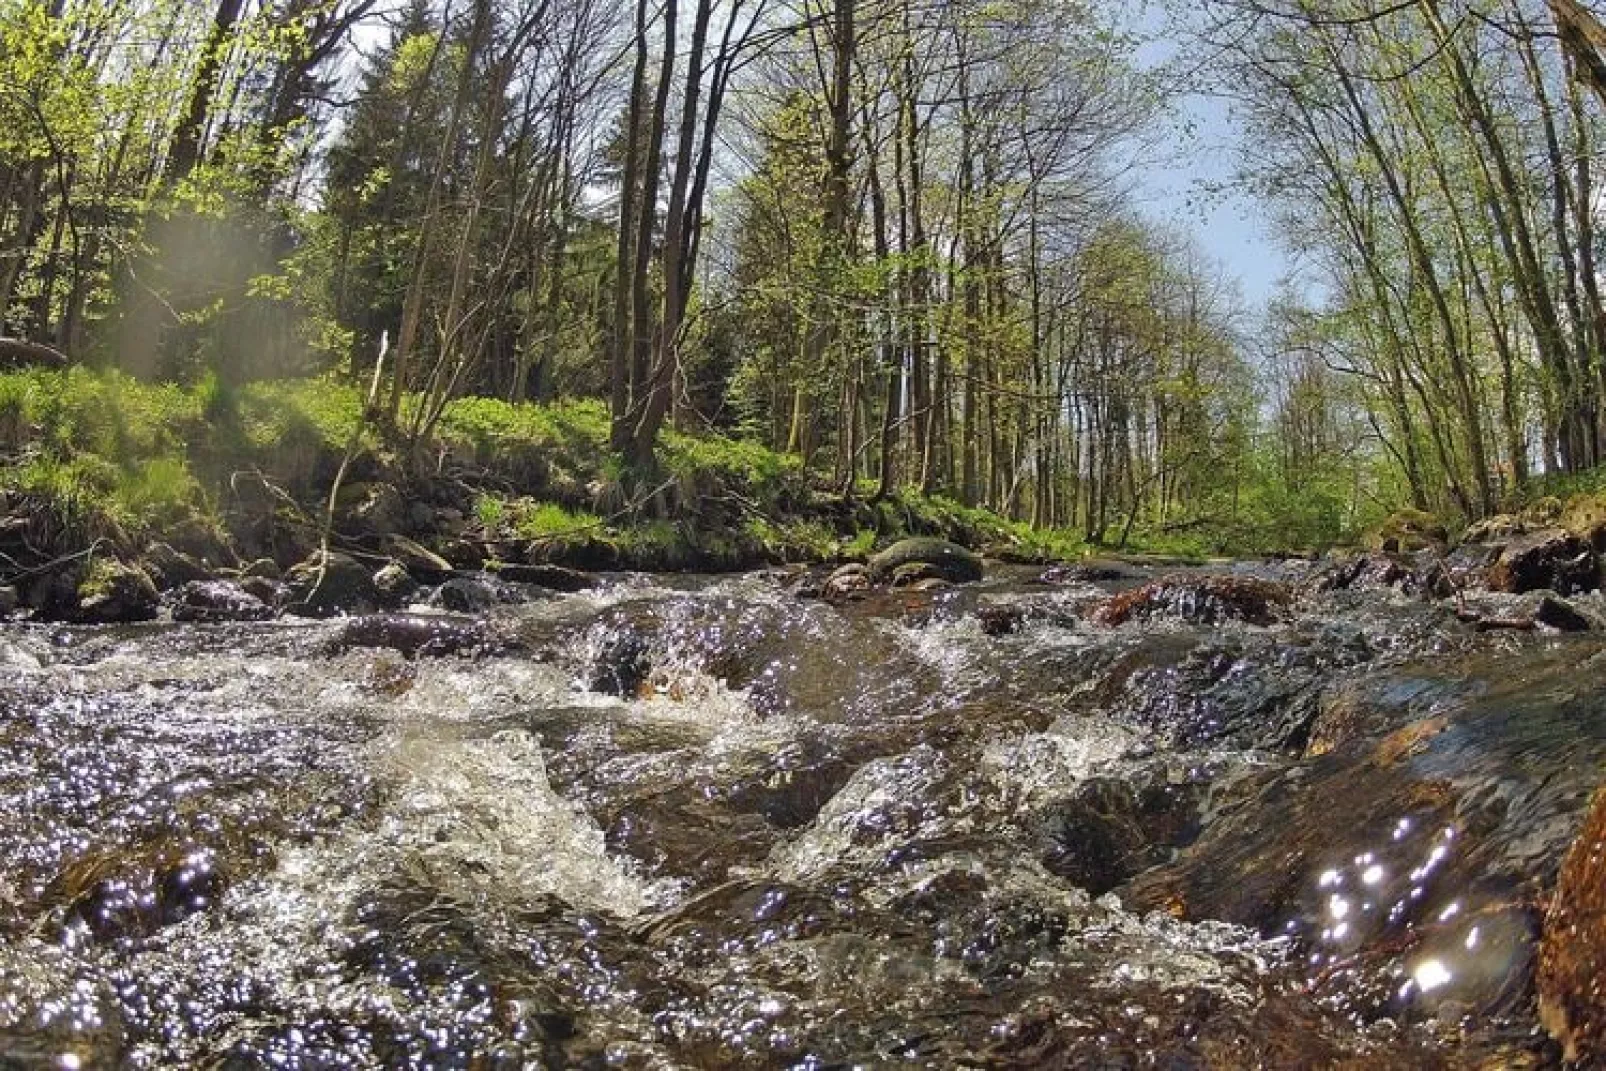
(1177, 187)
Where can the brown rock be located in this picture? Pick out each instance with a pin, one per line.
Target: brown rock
(1548, 558)
(1572, 952)
(847, 582)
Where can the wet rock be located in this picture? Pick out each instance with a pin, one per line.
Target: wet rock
(1466, 568)
(948, 561)
(324, 586)
(550, 577)
(847, 582)
(468, 595)
(912, 573)
(1572, 952)
(1094, 572)
(1113, 829)
(217, 601)
(1548, 558)
(268, 591)
(113, 592)
(395, 585)
(10, 598)
(617, 663)
(929, 585)
(415, 635)
(171, 568)
(1524, 613)
(462, 555)
(1408, 531)
(1561, 615)
(998, 619)
(1201, 600)
(422, 564)
(370, 508)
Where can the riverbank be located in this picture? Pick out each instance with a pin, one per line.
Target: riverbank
(111, 488)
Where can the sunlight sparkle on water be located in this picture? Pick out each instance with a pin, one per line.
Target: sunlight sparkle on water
(1432, 974)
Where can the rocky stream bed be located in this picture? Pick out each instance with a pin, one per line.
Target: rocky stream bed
(1278, 815)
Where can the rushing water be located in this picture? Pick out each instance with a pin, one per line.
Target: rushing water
(803, 836)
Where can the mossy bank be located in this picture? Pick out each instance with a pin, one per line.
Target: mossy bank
(186, 484)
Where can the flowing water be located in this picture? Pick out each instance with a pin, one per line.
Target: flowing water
(705, 823)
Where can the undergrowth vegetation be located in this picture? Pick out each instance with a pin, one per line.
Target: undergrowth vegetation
(100, 455)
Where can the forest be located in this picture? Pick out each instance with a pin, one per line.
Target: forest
(899, 242)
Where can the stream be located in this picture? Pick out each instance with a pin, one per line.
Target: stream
(703, 822)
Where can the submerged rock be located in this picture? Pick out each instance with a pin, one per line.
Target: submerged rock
(1111, 829)
(618, 663)
(1523, 613)
(1094, 572)
(1572, 953)
(942, 559)
(414, 635)
(1200, 600)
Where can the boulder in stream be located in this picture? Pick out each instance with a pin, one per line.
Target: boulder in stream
(414, 635)
(323, 586)
(942, 559)
(216, 601)
(111, 591)
(1551, 558)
